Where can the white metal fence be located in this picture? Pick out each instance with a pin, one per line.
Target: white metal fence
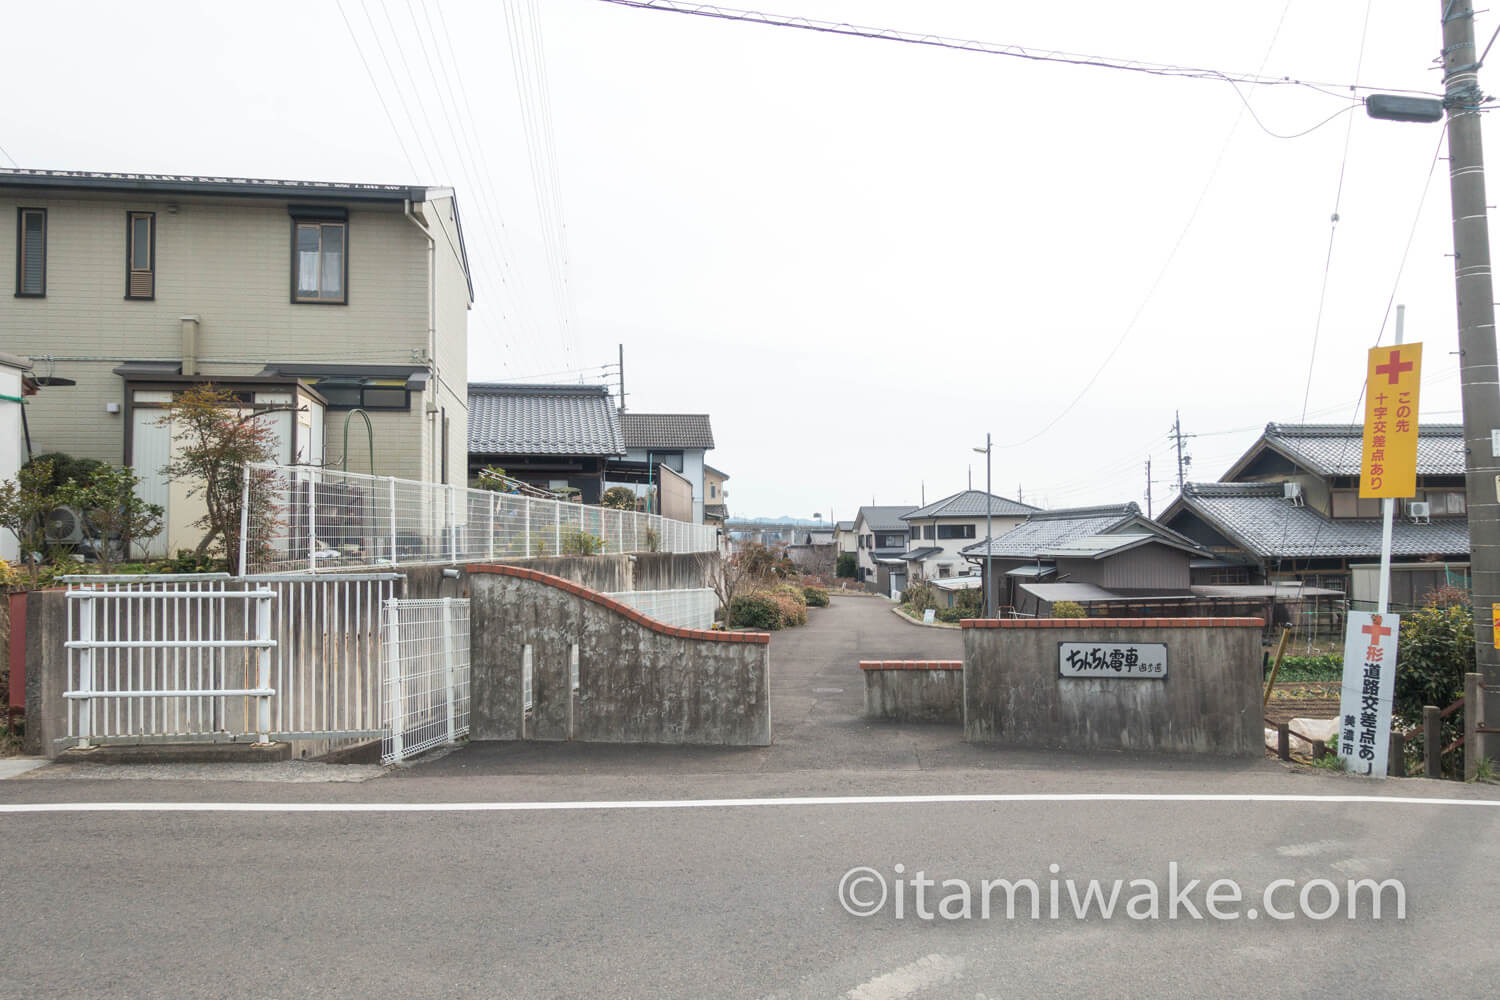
(324, 518)
(194, 657)
(680, 608)
(167, 657)
(426, 674)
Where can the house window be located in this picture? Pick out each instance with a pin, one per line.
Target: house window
(320, 262)
(927, 531)
(31, 252)
(140, 255)
(944, 571)
(955, 531)
(713, 491)
(364, 394)
(890, 541)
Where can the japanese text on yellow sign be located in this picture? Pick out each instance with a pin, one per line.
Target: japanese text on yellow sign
(1389, 466)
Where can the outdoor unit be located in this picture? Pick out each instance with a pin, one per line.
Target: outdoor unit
(1292, 492)
(1419, 511)
(64, 526)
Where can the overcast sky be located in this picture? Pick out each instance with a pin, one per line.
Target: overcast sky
(857, 255)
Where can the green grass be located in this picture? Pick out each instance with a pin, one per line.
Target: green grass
(1325, 667)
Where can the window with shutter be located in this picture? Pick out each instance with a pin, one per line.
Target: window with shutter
(31, 252)
(140, 255)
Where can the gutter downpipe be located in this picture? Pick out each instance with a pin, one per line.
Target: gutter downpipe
(430, 407)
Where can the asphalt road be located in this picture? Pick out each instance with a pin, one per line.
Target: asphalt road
(431, 881)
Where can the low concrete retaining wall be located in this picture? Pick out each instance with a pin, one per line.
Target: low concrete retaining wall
(609, 574)
(914, 690)
(637, 680)
(1208, 699)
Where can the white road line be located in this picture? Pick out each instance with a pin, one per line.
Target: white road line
(622, 804)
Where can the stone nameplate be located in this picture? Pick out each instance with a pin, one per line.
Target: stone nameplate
(1138, 660)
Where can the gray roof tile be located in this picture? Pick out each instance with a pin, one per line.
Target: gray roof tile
(1047, 530)
(507, 419)
(1257, 517)
(1336, 449)
(971, 503)
(884, 518)
(666, 430)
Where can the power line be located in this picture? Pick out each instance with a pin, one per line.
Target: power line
(12, 159)
(1000, 48)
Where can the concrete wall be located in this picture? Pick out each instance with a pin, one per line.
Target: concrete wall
(1209, 702)
(638, 681)
(914, 690)
(608, 574)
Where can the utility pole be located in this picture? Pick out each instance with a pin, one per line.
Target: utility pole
(622, 378)
(989, 533)
(1148, 487)
(1476, 323)
(1182, 462)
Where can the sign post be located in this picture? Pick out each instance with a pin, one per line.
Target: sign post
(1388, 470)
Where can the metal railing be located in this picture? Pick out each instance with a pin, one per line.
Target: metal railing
(680, 608)
(326, 518)
(426, 674)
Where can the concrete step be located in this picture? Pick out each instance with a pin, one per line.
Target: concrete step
(180, 753)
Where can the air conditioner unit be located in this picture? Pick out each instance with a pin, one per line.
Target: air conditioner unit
(1419, 511)
(64, 526)
(1292, 492)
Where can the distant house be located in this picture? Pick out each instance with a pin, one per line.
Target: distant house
(845, 540)
(881, 542)
(940, 531)
(1289, 512)
(1090, 555)
(715, 499)
(676, 440)
(554, 437)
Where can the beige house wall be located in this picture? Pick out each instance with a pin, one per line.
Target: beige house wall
(228, 261)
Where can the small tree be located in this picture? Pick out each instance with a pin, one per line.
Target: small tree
(848, 565)
(218, 437)
(618, 498)
(112, 509)
(25, 503)
(493, 485)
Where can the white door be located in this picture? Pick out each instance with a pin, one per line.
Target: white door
(898, 585)
(151, 450)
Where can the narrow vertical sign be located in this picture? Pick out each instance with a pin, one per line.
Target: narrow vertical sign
(1393, 381)
(1369, 684)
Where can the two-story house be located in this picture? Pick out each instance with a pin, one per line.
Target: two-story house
(715, 497)
(677, 440)
(881, 538)
(941, 531)
(1289, 511)
(320, 297)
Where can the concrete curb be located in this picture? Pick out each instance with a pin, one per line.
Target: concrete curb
(912, 621)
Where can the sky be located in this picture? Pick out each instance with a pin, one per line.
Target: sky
(859, 256)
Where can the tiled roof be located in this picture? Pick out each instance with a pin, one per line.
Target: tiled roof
(1046, 530)
(846, 526)
(917, 555)
(1335, 449)
(1256, 517)
(507, 419)
(666, 430)
(971, 503)
(885, 518)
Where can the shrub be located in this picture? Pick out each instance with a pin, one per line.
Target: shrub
(920, 595)
(792, 592)
(792, 604)
(188, 561)
(1436, 649)
(581, 543)
(1325, 667)
(952, 615)
(64, 468)
(1068, 609)
(970, 602)
(653, 540)
(816, 597)
(847, 566)
(754, 611)
(619, 498)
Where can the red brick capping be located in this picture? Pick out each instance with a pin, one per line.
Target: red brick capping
(522, 573)
(911, 664)
(1112, 623)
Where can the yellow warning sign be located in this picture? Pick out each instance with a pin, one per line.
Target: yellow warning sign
(1389, 466)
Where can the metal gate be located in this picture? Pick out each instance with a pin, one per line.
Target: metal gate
(209, 658)
(426, 674)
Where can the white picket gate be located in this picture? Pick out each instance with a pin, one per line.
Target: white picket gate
(209, 658)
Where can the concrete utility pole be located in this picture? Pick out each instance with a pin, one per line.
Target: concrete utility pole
(989, 533)
(622, 378)
(1148, 487)
(1476, 322)
(1182, 462)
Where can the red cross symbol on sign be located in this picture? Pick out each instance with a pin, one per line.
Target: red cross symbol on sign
(1393, 368)
(1375, 630)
